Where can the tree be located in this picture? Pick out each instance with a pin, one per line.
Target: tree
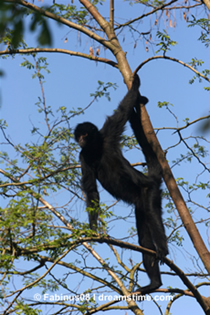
(46, 246)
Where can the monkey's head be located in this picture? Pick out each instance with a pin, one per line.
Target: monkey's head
(85, 134)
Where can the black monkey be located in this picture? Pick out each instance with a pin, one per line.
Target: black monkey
(102, 159)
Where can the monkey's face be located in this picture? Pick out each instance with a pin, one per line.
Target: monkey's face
(85, 133)
(82, 141)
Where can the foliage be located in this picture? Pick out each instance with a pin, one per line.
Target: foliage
(205, 26)
(165, 41)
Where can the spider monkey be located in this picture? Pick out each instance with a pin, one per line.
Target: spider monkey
(101, 159)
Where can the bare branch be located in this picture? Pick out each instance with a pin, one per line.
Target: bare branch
(193, 153)
(145, 15)
(111, 17)
(172, 59)
(192, 122)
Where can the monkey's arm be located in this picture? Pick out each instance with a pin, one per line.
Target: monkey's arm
(89, 186)
(114, 125)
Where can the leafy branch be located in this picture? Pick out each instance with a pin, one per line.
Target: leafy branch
(58, 50)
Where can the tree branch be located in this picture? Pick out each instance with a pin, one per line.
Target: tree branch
(193, 153)
(34, 282)
(175, 192)
(145, 14)
(115, 48)
(207, 3)
(132, 304)
(58, 50)
(172, 59)
(82, 271)
(111, 15)
(122, 244)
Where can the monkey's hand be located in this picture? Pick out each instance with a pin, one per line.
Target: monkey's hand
(136, 82)
(143, 100)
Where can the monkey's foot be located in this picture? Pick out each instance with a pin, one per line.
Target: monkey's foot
(161, 253)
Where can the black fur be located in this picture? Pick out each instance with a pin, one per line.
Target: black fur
(149, 222)
(102, 159)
